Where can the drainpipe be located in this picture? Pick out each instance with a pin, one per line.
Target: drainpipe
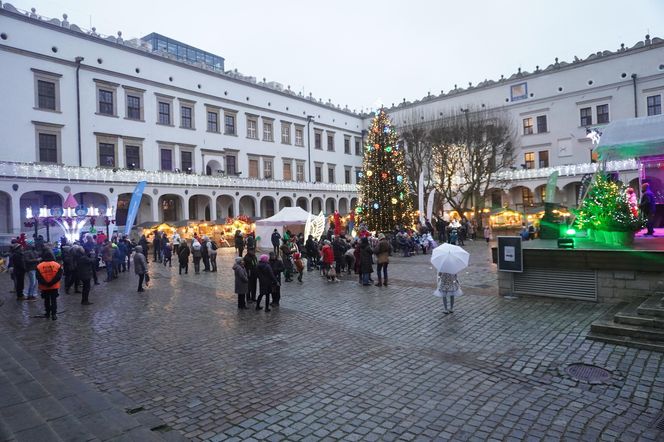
(78, 61)
(636, 107)
(310, 118)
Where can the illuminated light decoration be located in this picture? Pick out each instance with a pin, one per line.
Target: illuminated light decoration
(570, 232)
(358, 210)
(368, 148)
(360, 174)
(384, 175)
(394, 200)
(377, 146)
(386, 129)
(399, 178)
(376, 206)
(369, 173)
(388, 149)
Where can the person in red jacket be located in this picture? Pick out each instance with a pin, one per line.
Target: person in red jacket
(328, 258)
(49, 274)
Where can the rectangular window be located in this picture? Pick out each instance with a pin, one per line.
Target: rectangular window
(530, 160)
(319, 174)
(541, 124)
(347, 145)
(285, 133)
(133, 107)
(527, 126)
(48, 148)
(544, 158)
(267, 169)
(654, 105)
(253, 168)
(106, 102)
(212, 121)
(299, 171)
(132, 157)
(358, 148)
(229, 124)
(318, 140)
(330, 175)
(602, 114)
(347, 176)
(251, 129)
(231, 165)
(299, 137)
(586, 116)
(164, 113)
(267, 131)
(330, 143)
(166, 159)
(185, 117)
(288, 173)
(106, 155)
(46, 95)
(187, 161)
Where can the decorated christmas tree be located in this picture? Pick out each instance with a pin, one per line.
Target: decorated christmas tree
(384, 192)
(607, 207)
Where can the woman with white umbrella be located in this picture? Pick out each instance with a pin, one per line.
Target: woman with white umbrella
(449, 260)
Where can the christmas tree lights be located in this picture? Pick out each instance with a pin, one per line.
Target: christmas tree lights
(384, 193)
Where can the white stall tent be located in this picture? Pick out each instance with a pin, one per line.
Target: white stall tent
(632, 138)
(292, 218)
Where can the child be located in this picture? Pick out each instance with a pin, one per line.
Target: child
(299, 265)
(487, 233)
(448, 285)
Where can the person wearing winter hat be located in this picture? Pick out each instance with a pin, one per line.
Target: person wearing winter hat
(266, 279)
(197, 254)
(140, 267)
(241, 282)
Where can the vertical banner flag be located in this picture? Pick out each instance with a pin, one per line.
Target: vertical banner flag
(420, 197)
(430, 200)
(134, 204)
(551, 186)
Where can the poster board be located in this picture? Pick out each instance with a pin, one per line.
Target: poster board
(510, 254)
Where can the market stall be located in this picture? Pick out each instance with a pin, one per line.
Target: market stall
(288, 218)
(226, 228)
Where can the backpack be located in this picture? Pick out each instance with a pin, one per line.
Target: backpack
(214, 245)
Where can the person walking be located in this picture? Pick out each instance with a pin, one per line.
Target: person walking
(239, 243)
(205, 253)
(212, 253)
(447, 286)
(275, 238)
(241, 282)
(366, 261)
(84, 269)
(17, 261)
(267, 281)
(168, 254)
(156, 246)
(49, 274)
(382, 251)
(487, 233)
(196, 254)
(277, 266)
(31, 260)
(140, 268)
(250, 264)
(176, 243)
(183, 258)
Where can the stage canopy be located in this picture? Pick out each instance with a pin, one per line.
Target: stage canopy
(294, 218)
(632, 138)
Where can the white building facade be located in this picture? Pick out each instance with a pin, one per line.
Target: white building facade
(551, 110)
(94, 115)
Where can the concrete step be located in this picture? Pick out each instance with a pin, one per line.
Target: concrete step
(41, 400)
(627, 341)
(608, 327)
(633, 318)
(653, 306)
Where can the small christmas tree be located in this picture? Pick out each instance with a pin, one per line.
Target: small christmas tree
(607, 207)
(384, 192)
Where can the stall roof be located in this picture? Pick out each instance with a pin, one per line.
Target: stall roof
(632, 138)
(148, 224)
(286, 216)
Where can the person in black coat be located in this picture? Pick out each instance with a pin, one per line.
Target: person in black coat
(84, 269)
(267, 281)
(239, 243)
(312, 253)
(277, 266)
(17, 261)
(366, 261)
(183, 258)
(250, 264)
(275, 238)
(241, 282)
(143, 242)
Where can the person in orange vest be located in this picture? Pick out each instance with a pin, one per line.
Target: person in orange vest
(49, 274)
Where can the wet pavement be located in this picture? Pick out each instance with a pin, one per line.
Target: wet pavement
(339, 361)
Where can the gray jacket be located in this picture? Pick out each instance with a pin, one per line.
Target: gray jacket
(241, 279)
(140, 265)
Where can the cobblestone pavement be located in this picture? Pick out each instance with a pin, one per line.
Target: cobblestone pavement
(341, 361)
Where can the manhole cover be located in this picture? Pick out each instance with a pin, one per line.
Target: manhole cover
(588, 373)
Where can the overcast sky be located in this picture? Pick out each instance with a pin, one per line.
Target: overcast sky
(365, 52)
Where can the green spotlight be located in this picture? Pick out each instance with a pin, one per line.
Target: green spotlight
(570, 232)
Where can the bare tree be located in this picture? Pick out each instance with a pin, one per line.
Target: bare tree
(418, 157)
(468, 148)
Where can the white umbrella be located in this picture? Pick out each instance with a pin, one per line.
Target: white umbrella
(447, 258)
